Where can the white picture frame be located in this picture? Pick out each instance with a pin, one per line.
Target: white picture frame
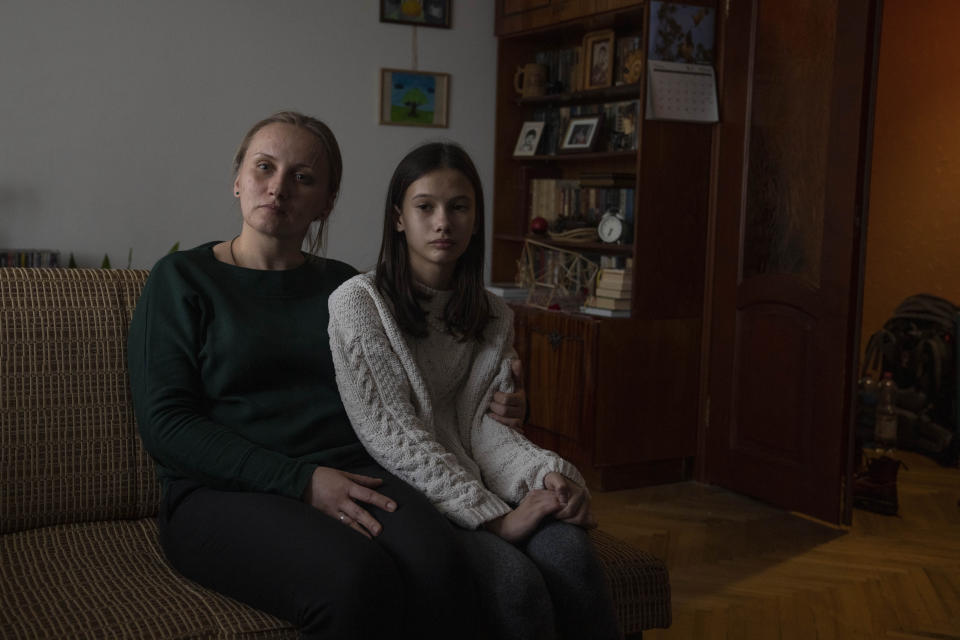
(529, 139)
(581, 134)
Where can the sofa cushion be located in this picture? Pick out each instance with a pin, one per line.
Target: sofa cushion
(110, 580)
(71, 452)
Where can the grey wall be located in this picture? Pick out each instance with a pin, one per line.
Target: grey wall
(119, 118)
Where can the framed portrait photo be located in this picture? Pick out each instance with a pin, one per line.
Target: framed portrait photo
(423, 13)
(598, 59)
(528, 139)
(414, 98)
(581, 134)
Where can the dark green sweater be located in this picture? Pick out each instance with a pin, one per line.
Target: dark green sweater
(231, 374)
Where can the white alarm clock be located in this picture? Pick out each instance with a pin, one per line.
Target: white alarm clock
(613, 227)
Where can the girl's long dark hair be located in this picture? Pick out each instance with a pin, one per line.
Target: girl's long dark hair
(468, 311)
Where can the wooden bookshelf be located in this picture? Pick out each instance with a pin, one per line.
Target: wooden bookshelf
(616, 396)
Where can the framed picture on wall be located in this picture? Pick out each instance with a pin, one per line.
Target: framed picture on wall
(423, 13)
(414, 98)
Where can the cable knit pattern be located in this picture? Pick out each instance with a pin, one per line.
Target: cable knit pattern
(419, 405)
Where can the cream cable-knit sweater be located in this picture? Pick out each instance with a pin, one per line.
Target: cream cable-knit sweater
(418, 405)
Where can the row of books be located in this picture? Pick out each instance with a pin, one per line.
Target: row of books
(565, 68)
(551, 199)
(612, 293)
(29, 258)
(618, 127)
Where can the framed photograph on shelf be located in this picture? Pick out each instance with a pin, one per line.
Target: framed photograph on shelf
(598, 59)
(414, 98)
(581, 134)
(422, 13)
(528, 139)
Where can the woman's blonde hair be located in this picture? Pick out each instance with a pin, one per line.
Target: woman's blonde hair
(330, 148)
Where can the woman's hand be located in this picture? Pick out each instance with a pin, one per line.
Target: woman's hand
(515, 526)
(334, 492)
(511, 408)
(575, 501)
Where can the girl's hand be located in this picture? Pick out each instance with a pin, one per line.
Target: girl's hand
(333, 492)
(515, 526)
(575, 501)
(511, 408)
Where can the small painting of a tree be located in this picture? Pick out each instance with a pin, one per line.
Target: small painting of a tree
(413, 99)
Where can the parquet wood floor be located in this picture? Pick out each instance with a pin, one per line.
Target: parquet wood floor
(740, 569)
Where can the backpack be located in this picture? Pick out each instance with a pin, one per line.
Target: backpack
(918, 345)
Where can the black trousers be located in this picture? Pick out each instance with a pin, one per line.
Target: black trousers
(284, 557)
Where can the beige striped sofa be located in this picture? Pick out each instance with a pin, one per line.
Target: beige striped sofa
(78, 496)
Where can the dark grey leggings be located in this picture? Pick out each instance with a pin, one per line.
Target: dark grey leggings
(550, 587)
(286, 558)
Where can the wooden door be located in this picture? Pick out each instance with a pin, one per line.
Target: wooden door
(790, 187)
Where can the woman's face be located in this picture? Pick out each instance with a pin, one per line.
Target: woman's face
(438, 218)
(282, 182)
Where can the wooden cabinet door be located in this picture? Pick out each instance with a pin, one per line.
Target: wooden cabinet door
(559, 352)
(790, 181)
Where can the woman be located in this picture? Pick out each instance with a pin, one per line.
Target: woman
(419, 347)
(268, 497)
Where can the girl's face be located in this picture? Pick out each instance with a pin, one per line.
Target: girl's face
(438, 219)
(282, 182)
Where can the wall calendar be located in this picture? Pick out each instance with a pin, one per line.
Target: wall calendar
(680, 91)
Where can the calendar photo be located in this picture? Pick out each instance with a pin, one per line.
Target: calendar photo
(682, 33)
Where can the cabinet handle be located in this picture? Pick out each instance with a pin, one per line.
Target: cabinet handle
(555, 340)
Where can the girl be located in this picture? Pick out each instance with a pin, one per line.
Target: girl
(419, 348)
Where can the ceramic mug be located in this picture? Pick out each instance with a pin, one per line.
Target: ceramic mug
(530, 80)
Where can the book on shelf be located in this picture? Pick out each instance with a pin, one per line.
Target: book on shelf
(29, 258)
(508, 290)
(625, 45)
(608, 290)
(563, 68)
(607, 303)
(620, 120)
(614, 278)
(552, 198)
(605, 313)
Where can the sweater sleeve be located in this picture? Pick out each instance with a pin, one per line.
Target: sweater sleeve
(163, 352)
(511, 465)
(377, 392)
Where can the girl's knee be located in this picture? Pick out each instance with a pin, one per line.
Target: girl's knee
(560, 542)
